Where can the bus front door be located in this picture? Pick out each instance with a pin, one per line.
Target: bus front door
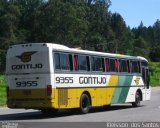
(146, 79)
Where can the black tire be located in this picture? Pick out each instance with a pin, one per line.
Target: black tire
(137, 100)
(107, 106)
(49, 111)
(84, 104)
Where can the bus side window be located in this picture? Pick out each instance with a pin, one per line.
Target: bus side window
(128, 66)
(82, 61)
(107, 64)
(97, 64)
(103, 64)
(144, 63)
(75, 62)
(113, 65)
(123, 66)
(93, 64)
(88, 63)
(64, 61)
(135, 67)
(71, 62)
(116, 65)
(139, 66)
(57, 61)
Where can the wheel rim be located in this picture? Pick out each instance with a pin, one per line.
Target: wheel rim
(137, 99)
(85, 103)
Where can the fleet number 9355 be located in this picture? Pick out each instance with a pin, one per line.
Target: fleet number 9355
(64, 80)
(26, 83)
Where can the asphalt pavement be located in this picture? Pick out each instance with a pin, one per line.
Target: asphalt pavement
(99, 116)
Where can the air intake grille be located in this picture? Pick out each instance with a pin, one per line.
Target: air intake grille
(62, 97)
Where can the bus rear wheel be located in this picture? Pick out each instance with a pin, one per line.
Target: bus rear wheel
(84, 104)
(137, 100)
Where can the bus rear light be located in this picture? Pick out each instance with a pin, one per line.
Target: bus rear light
(49, 90)
(7, 91)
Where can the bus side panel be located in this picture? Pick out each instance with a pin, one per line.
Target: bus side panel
(137, 83)
(118, 90)
(67, 97)
(113, 81)
(70, 97)
(125, 89)
(148, 94)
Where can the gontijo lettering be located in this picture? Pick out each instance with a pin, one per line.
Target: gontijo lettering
(92, 80)
(26, 66)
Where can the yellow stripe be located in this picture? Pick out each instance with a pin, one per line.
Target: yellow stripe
(112, 82)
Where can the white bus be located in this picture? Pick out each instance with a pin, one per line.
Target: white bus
(49, 77)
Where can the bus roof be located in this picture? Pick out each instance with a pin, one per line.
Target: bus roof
(59, 47)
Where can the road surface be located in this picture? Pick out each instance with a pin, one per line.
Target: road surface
(148, 112)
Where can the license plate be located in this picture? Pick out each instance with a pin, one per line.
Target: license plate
(27, 92)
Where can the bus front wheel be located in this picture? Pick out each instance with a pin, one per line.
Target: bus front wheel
(137, 100)
(84, 104)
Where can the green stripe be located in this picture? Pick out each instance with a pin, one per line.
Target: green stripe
(125, 90)
(117, 92)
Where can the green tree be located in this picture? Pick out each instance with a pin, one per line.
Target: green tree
(61, 22)
(155, 54)
(9, 19)
(156, 31)
(120, 30)
(100, 31)
(140, 47)
(155, 44)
